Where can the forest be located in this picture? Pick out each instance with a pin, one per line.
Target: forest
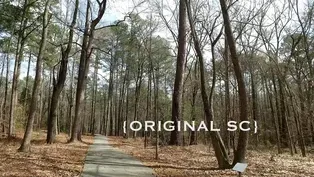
(74, 70)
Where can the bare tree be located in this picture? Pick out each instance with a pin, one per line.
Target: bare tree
(178, 83)
(219, 148)
(25, 146)
(243, 136)
(59, 83)
(85, 58)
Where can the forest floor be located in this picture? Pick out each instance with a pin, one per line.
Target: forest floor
(198, 161)
(59, 159)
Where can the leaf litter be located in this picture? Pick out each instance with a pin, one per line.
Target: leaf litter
(58, 159)
(199, 161)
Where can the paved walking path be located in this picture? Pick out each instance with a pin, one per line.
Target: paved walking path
(103, 160)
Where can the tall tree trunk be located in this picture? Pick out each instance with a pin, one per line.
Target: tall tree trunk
(94, 97)
(148, 104)
(116, 98)
(4, 106)
(80, 91)
(26, 90)
(284, 120)
(193, 140)
(218, 145)
(178, 82)
(227, 95)
(103, 123)
(149, 84)
(126, 135)
(312, 131)
(122, 98)
(138, 91)
(214, 78)
(243, 136)
(84, 63)
(41, 106)
(71, 98)
(110, 96)
(276, 110)
(156, 106)
(274, 118)
(49, 91)
(1, 81)
(59, 84)
(4, 103)
(254, 104)
(25, 146)
(296, 115)
(2, 69)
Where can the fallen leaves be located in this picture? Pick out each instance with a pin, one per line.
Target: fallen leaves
(199, 161)
(59, 159)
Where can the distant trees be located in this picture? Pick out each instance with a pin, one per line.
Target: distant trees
(22, 36)
(220, 61)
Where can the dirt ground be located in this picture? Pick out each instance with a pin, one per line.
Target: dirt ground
(199, 161)
(59, 159)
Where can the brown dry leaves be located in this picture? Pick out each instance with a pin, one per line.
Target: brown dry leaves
(59, 159)
(199, 160)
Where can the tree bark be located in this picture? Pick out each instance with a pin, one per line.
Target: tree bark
(218, 145)
(148, 104)
(193, 140)
(243, 136)
(84, 63)
(254, 103)
(274, 118)
(110, 96)
(4, 106)
(25, 146)
(138, 91)
(1, 80)
(94, 96)
(26, 90)
(59, 84)
(116, 98)
(156, 107)
(227, 95)
(126, 135)
(71, 99)
(121, 98)
(178, 82)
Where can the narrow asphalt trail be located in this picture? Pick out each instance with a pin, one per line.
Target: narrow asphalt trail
(103, 160)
